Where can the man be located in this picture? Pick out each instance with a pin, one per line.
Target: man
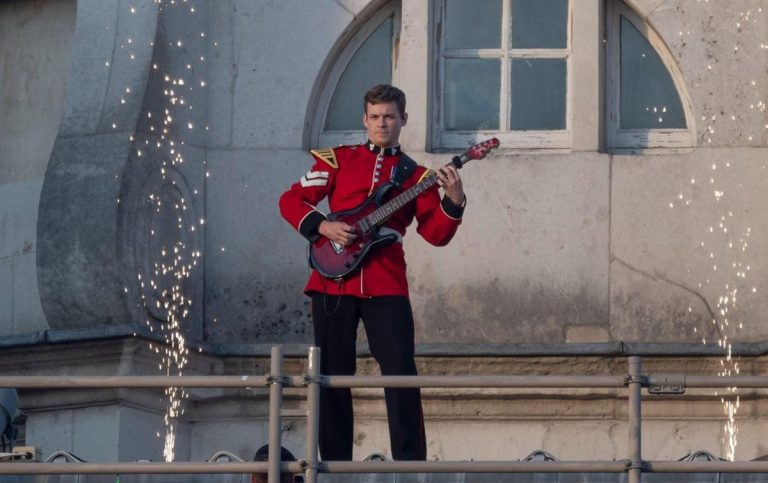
(378, 292)
(262, 454)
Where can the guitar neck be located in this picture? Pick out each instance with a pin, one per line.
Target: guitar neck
(383, 212)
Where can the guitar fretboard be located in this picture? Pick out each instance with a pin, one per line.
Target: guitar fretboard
(383, 212)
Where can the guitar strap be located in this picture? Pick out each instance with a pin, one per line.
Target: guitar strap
(404, 170)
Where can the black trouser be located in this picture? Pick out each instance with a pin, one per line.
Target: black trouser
(388, 324)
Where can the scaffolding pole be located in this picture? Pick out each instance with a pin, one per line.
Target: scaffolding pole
(313, 415)
(275, 407)
(635, 384)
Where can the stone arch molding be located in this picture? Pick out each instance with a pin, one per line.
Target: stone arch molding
(92, 213)
(644, 7)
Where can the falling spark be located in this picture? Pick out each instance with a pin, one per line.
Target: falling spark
(175, 262)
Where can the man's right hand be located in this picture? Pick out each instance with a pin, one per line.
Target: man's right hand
(337, 231)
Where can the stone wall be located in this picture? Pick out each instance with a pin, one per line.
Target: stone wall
(577, 245)
(35, 51)
(567, 246)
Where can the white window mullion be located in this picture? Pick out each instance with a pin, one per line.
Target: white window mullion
(539, 53)
(612, 76)
(506, 65)
(506, 105)
(474, 53)
(569, 72)
(396, 22)
(440, 84)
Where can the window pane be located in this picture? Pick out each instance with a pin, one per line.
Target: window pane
(539, 24)
(538, 89)
(470, 24)
(647, 95)
(472, 94)
(371, 65)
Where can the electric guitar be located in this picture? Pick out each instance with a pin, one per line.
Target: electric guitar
(336, 261)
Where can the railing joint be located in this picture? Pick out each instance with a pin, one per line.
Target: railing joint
(308, 465)
(273, 379)
(310, 379)
(630, 379)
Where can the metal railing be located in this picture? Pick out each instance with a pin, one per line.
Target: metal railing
(312, 381)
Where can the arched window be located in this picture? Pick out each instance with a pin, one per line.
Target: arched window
(364, 58)
(646, 101)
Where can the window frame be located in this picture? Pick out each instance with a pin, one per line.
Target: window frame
(616, 138)
(349, 45)
(443, 139)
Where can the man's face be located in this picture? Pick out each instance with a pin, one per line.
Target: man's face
(383, 123)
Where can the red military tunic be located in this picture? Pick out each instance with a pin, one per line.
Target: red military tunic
(348, 175)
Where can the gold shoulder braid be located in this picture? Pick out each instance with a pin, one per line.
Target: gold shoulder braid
(327, 155)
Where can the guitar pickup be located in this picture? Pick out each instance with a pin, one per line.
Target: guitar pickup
(337, 247)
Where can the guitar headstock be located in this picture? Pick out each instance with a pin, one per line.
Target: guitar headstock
(476, 151)
(481, 149)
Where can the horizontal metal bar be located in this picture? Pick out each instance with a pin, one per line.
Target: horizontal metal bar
(706, 466)
(249, 381)
(84, 382)
(89, 382)
(475, 381)
(731, 381)
(618, 466)
(147, 468)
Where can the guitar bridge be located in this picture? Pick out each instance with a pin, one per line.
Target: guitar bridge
(337, 247)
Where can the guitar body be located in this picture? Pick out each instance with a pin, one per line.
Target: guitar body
(335, 261)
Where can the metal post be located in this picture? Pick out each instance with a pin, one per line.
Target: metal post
(275, 405)
(635, 435)
(313, 414)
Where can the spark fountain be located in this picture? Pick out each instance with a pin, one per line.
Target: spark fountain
(168, 222)
(725, 247)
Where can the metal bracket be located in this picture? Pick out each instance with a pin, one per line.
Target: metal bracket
(636, 465)
(273, 379)
(313, 379)
(629, 379)
(667, 384)
(305, 464)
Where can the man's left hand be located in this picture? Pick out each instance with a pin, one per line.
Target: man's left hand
(448, 178)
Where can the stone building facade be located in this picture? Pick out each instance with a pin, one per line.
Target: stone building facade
(143, 146)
